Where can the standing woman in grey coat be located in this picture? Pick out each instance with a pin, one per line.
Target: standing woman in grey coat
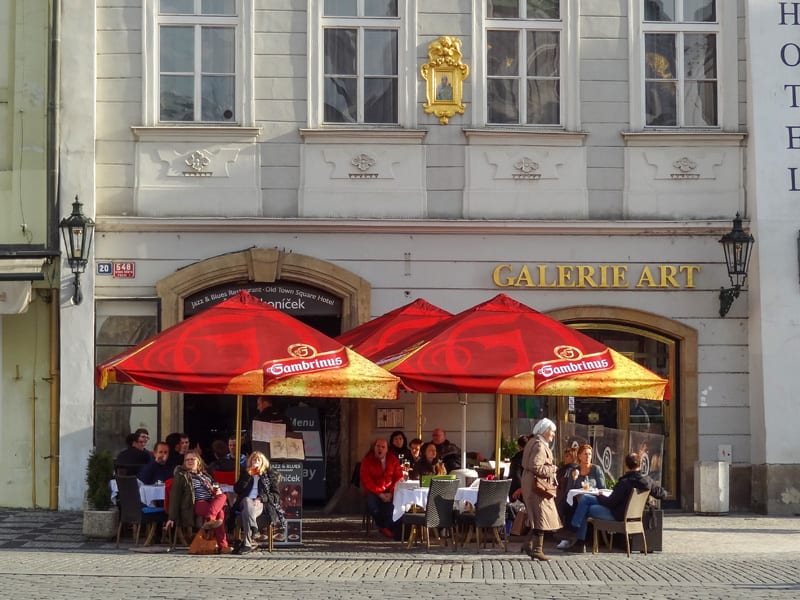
(537, 462)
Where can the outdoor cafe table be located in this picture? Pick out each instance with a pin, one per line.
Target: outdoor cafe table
(149, 494)
(577, 492)
(408, 494)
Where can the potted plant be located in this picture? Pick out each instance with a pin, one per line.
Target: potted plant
(99, 518)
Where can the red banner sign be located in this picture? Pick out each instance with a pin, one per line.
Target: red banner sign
(304, 359)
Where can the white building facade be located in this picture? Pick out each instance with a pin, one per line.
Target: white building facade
(602, 151)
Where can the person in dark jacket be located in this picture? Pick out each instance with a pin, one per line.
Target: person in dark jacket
(398, 444)
(257, 495)
(428, 463)
(515, 469)
(449, 453)
(612, 507)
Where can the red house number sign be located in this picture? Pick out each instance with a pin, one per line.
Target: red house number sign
(124, 270)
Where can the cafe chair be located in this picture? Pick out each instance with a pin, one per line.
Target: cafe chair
(225, 477)
(133, 512)
(633, 523)
(489, 513)
(366, 518)
(184, 533)
(236, 532)
(438, 514)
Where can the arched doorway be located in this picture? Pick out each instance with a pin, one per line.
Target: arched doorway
(667, 347)
(271, 266)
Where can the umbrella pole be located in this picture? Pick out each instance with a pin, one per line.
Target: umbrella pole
(419, 415)
(498, 433)
(237, 459)
(464, 431)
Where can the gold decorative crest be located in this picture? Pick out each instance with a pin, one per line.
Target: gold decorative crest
(444, 74)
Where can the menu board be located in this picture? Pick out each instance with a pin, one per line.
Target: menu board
(290, 488)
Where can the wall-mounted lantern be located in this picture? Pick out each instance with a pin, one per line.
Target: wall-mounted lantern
(737, 245)
(77, 230)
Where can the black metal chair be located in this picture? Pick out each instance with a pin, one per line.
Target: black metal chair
(133, 512)
(489, 513)
(366, 518)
(438, 513)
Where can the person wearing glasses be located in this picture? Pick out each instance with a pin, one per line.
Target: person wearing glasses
(131, 460)
(194, 493)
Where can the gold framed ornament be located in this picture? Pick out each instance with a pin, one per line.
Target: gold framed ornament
(444, 75)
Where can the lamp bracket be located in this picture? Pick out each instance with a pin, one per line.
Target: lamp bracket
(726, 298)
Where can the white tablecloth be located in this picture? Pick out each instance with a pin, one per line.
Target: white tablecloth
(148, 493)
(572, 493)
(406, 496)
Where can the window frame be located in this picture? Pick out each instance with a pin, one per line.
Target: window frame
(244, 110)
(404, 24)
(725, 30)
(569, 90)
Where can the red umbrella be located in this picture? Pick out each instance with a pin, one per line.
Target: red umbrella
(394, 327)
(505, 347)
(245, 346)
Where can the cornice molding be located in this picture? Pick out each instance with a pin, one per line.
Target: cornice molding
(410, 226)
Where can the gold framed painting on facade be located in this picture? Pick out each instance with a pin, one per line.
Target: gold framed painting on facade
(444, 74)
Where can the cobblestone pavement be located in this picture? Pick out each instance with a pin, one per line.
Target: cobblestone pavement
(44, 555)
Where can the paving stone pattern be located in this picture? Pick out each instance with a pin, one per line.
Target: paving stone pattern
(44, 555)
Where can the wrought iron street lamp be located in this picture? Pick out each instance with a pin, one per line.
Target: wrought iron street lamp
(737, 246)
(77, 230)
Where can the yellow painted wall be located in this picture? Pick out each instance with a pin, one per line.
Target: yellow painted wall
(23, 121)
(25, 406)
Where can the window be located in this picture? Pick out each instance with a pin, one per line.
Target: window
(523, 62)
(121, 409)
(197, 60)
(360, 61)
(681, 82)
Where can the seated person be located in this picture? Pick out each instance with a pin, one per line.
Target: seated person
(428, 463)
(222, 460)
(195, 493)
(414, 447)
(257, 495)
(232, 452)
(398, 444)
(380, 471)
(449, 453)
(474, 459)
(178, 446)
(158, 470)
(612, 508)
(135, 456)
(586, 474)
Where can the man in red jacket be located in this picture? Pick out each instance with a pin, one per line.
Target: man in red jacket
(380, 471)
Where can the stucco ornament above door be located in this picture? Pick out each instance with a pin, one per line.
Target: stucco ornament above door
(444, 74)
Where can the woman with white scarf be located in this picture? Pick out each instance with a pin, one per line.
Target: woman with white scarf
(537, 462)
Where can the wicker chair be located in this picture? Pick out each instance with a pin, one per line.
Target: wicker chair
(631, 524)
(490, 512)
(438, 513)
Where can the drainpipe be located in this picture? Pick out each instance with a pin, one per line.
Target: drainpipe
(55, 390)
(53, 143)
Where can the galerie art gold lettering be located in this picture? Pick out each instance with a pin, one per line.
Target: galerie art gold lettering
(545, 276)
